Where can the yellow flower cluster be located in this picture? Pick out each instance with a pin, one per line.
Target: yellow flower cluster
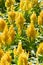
(26, 4)
(1, 53)
(9, 3)
(23, 59)
(33, 17)
(40, 49)
(19, 21)
(7, 36)
(11, 16)
(31, 32)
(2, 24)
(5, 58)
(22, 55)
(18, 15)
(19, 50)
(40, 18)
(12, 32)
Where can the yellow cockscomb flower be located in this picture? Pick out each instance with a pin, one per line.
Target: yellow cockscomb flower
(1, 53)
(23, 59)
(11, 32)
(26, 4)
(4, 35)
(19, 22)
(40, 18)
(6, 59)
(20, 19)
(15, 52)
(40, 21)
(19, 50)
(7, 56)
(9, 37)
(41, 14)
(21, 4)
(2, 24)
(9, 3)
(4, 62)
(12, 8)
(11, 16)
(1, 40)
(9, 41)
(40, 49)
(31, 32)
(33, 17)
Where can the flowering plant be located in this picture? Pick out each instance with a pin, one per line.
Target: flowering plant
(21, 33)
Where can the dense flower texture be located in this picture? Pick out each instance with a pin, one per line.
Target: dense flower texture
(31, 32)
(40, 18)
(40, 49)
(19, 50)
(33, 17)
(25, 4)
(4, 35)
(28, 4)
(1, 40)
(2, 24)
(1, 53)
(23, 59)
(9, 3)
(11, 16)
(21, 32)
(8, 38)
(11, 32)
(6, 59)
(22, 55)
(19, 22)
